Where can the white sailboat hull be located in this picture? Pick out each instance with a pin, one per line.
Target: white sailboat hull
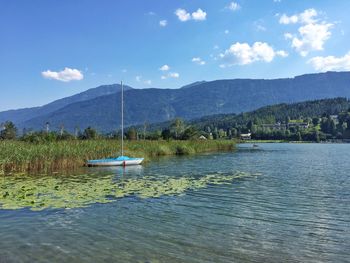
(115, 162)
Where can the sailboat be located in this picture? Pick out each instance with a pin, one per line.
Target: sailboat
(121, 160)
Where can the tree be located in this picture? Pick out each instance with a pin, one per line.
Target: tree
(166, 134)
(8, 131)
(131, 134)
(317, 136)
(190, 133)
(156, 135)
(249, 125)
(328, 126)
(222, 133)
(287, 119)
(178, 127)
(299, 138)
(89, 133)
(315, 121)
(234, 132)
(145, 125)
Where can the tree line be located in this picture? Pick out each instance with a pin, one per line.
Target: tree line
(321, 120)
(177, 130)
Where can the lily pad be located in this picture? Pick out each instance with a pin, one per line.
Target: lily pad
(38, 193)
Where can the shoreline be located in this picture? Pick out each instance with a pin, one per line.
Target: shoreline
(24, 157)
(296, 142)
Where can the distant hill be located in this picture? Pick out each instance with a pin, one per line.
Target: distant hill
(276, 113)
(102, 111)
(264, 115)
(22, 115)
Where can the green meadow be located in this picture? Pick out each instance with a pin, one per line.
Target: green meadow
(19, 156)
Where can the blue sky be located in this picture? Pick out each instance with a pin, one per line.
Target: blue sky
(50, 49)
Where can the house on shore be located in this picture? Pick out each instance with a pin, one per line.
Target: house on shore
(246, 136)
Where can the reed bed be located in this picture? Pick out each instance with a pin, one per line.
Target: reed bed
(18, 156)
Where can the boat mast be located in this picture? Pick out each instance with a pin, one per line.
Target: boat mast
(122, 102)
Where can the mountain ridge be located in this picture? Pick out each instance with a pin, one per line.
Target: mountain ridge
(194, 101)
(21, 115)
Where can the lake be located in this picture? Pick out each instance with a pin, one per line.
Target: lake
(272, 203)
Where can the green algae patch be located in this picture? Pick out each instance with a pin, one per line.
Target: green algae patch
(51, 192)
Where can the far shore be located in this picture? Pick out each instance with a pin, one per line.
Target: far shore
(285, 141)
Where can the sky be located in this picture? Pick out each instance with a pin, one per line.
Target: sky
(50, 49)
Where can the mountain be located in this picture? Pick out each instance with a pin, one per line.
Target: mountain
(193, 101)
(193, 84)
(22, 115)
(265, 115)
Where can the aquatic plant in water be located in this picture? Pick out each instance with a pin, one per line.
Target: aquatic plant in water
(71, 192)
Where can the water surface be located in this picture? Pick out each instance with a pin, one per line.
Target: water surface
(291, 205)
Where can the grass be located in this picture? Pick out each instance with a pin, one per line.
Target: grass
(17, 156)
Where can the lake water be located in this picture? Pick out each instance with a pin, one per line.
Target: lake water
(289, 203)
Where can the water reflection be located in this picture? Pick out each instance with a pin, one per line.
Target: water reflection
(131, 170)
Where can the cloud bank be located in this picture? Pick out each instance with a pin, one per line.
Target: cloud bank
(331, 63)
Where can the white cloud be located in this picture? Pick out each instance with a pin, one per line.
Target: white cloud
(284, 19)
(233, 6)
(216, 47)
(260, 28)
(65, 75)
(306, 17)
(139, 79)
(164, 68)
(312, 34)
(288, 36)
(282, 53)
(182, 15)
(259, 25)
(331, 63)
(243, 54)
(227, 31)
(198, 61)
(171, 75)
(163, 23)
(312, 38)
(199, 15)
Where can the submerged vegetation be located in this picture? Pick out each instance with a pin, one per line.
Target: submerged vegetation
(19, 156)
(60, 192)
